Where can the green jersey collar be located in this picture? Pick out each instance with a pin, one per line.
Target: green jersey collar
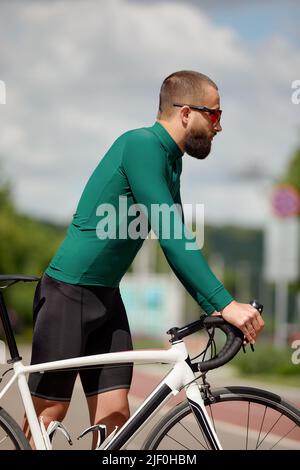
(167, 141)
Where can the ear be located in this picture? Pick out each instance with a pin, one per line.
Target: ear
(185, 115)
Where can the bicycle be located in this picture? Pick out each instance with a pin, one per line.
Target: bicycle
(199, 422)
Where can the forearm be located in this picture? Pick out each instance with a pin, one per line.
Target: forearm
(204, 304)
(192, 269)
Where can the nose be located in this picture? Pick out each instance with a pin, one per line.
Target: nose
(218, 127)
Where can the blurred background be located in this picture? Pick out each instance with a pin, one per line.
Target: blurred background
(78, 73)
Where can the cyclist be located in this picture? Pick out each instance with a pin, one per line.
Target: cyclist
(78, 309)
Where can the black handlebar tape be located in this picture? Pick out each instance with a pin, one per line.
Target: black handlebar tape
(234, 340)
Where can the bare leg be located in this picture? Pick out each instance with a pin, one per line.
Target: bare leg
(50, 410)
(110, 408)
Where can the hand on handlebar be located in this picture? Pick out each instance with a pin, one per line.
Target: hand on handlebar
(245, 317)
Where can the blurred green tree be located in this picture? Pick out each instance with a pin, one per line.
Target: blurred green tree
(292, 177)
(26, 247)
(293, 171)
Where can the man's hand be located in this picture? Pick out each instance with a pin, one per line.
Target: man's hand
(245, 317)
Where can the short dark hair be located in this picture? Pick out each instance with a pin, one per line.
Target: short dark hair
(185, 86)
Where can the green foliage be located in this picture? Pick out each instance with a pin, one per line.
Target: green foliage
(293, 173)
(26, 247)
(292, 177)
(146, 342)
(266, 360)
(236, 244)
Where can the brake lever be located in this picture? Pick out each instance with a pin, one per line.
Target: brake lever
(259, 307)
(251, 346)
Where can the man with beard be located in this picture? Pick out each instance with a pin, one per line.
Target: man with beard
(78, 309)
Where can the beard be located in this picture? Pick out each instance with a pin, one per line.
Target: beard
(198, 145)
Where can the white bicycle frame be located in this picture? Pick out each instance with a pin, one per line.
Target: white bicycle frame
(181, 376)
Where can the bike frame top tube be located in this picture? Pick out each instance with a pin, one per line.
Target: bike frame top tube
(169, 356)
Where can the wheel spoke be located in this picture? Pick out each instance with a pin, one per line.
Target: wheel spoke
(196, 439)
(177, 442)
(260, 429)
(294, 427)
(269, 423)
(247, 431)
(271, 428)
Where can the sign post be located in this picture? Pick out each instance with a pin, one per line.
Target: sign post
(282, 250)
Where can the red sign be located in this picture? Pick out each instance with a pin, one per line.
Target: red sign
(286, 201)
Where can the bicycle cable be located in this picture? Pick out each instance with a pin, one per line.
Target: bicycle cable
(210, 344)
(4, 373)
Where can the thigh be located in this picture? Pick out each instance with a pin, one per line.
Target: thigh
(57, 335)
(113, 335)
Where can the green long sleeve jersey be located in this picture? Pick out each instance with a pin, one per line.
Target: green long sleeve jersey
(142, 171)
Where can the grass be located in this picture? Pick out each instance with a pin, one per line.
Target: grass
(275, 379)
(144, 342)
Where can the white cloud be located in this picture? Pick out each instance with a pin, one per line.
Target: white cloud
(232, 203)
(79, 76)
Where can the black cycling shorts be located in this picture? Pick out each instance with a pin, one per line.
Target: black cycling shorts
(75, 320)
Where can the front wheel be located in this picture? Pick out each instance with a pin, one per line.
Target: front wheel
(243, 418)
(11, 435)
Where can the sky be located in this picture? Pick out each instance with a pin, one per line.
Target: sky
(78, 73)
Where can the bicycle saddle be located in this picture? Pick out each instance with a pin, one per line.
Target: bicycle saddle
(18, 277)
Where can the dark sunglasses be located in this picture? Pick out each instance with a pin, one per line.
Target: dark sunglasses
(214, 114)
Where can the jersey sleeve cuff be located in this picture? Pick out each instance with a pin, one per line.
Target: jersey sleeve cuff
(215, 302)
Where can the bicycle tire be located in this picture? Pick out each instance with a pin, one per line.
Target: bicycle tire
(11, 435)
(178, 429)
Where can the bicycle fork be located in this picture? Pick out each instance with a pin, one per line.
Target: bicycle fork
(196, 403)
(202, 417)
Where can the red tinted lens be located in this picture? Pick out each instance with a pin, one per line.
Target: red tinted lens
(215, 116)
